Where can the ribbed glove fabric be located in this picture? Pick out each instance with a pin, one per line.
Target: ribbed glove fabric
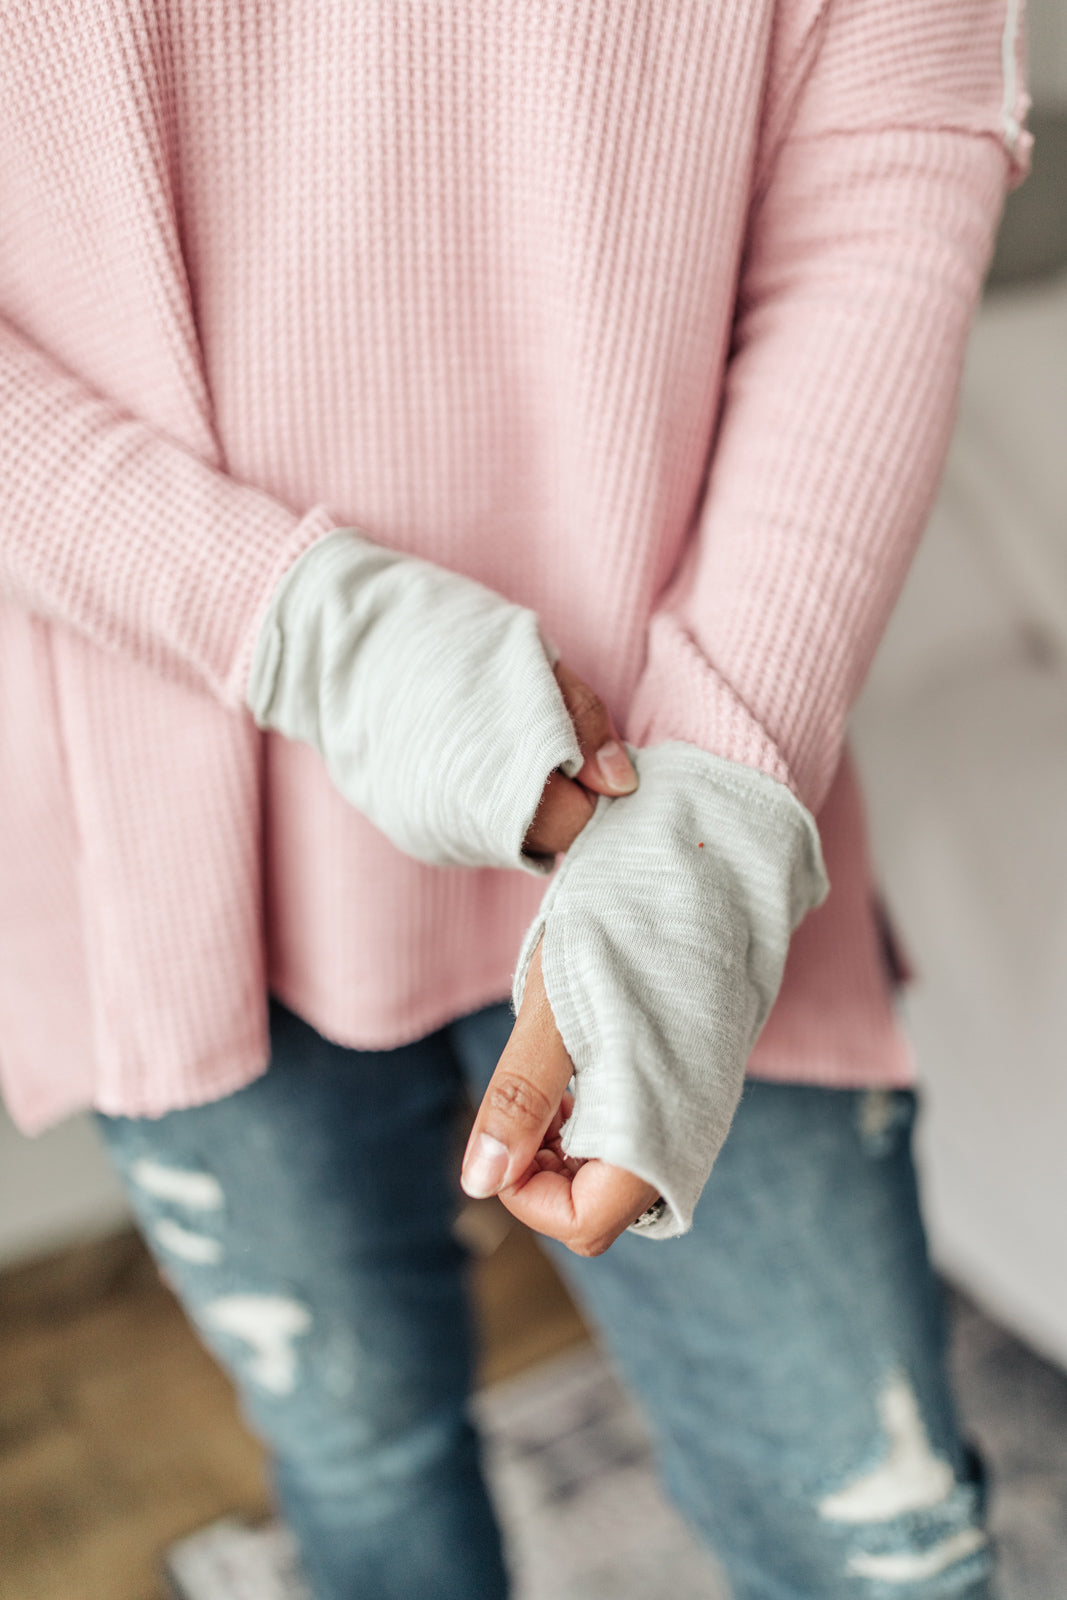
(430, 698)
(665, 935)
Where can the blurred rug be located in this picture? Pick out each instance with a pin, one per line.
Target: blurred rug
(571, 1469)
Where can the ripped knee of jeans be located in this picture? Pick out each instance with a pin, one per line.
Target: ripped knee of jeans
(267, 1327)
(906, 1519)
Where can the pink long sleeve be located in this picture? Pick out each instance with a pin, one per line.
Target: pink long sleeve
(863, 265)
(114, 529)
(465, 277)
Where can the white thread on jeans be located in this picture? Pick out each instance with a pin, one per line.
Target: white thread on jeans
(911, 1478)
(197, 1190)
(195, 1247)
(270, 1323)
(914, 1565)
(877, 1109)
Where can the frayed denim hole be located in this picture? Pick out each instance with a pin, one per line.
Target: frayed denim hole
(884, 1120)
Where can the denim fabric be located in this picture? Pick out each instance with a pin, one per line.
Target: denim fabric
(336, 1299)
(788, 1352)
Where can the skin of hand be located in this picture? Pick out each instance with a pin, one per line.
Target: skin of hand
(567, 804)
(514, 1149)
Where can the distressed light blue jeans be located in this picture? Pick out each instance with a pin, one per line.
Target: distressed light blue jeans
(788, 1352)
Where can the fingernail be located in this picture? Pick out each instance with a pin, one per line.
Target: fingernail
(484, 1168)
(616, 767)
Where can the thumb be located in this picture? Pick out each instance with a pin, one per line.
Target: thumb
(522, 1098)
(606, 768)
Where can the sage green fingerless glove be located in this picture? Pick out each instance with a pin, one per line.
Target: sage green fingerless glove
(430, 698)
(665, 935)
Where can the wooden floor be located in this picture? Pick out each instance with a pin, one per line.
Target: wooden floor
(118, 1434)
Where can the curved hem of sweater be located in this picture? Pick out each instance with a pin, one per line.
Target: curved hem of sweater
(397, 1030)
(33, 1116)
(886, 1063)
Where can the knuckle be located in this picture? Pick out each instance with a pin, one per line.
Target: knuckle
(518, 1100)
(588, 1249)
(586, 706)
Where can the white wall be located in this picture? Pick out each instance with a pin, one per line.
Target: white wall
(1047, 26)
(54, 1190)
(962, 737)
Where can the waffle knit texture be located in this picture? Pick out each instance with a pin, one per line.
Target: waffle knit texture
(648, 317)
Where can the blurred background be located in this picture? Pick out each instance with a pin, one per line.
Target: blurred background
(962, 739)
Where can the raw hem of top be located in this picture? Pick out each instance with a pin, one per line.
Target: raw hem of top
(32, 1116)
(893, 1067)
(416, 1023)
(887, 1061)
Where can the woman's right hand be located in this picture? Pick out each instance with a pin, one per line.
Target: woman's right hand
(567, 804)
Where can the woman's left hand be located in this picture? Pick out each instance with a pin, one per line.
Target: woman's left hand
(514, 1149)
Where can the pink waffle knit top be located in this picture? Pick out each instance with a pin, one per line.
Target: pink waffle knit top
(649, 314)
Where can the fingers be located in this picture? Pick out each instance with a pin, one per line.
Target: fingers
(606, 767)
(564, 810)
(523, 1096)
(586, 1208)
(566, 806)
(514, 1147)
